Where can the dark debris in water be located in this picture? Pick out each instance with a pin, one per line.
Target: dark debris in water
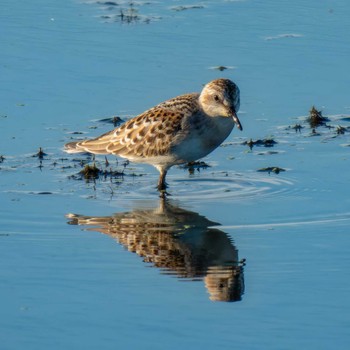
(296, 127)
(93, 172)
(76, 133)
(316, 118)
(341, 130)
(40, 154)
(197, 165)
(221, 68)
(129, 15)
(134, 12)
(271, 169)
(115, 120)
(108, 3)
(127, 12)
(90, 172)
(265, 143)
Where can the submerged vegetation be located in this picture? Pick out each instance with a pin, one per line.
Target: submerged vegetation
(296, 127)
(316, 118)
(88, 168)
(93, 172)
(269, 142)
(115, 120)
(90, 172)
(40, 154)
(272, 169)
(192, 166)
(124, 12)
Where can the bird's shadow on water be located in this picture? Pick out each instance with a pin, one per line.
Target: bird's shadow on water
(177, 241)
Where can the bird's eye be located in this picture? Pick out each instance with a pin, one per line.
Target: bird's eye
(216, 98)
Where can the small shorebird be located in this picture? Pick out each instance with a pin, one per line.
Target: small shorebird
(177, 131)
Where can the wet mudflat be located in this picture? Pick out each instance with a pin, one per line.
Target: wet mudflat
(251, 248)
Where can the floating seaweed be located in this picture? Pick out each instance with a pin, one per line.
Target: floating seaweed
(40, 154)
(90, 172)
(93, 172)
(129, 15)
(115, 120)
(296, 127)
(197, 165)
(107, 3)
(125, 15)
(316, 118)
(222, 68)
(264, 143)
(341, 130)
(271, 169)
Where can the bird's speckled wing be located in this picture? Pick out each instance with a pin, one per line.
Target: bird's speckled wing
(150, 134)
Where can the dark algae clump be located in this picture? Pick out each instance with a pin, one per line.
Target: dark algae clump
(272, 169)
(265, 143)
(90, 172)
(197, 165)
(40, 154)
(316, 118)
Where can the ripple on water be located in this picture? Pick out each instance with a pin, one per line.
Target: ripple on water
(232, 186)
(223, 186)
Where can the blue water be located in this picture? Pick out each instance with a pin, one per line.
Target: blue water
(105, 263)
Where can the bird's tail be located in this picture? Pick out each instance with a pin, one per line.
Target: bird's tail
(73, 147)
(98, 145)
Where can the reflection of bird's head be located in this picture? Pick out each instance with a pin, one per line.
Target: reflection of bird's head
(225, 283)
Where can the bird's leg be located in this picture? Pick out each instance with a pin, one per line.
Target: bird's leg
(161, 182)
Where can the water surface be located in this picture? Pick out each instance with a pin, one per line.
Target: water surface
(236, 257)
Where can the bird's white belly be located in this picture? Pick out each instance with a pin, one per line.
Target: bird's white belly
(198, 144)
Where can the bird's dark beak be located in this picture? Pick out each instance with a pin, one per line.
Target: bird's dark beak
(233, 115)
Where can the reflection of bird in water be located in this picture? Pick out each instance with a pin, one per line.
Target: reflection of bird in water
(178, 242)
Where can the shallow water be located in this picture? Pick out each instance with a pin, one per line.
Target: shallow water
(105, 262)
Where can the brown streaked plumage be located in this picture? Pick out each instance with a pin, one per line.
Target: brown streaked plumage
(177, 131)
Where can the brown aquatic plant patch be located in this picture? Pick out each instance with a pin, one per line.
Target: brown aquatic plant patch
(264, 143)
(316, 118)
(296, 127)
(115, 120)
(197, 165)
(90, 172)
(272, 169)
(40, 154)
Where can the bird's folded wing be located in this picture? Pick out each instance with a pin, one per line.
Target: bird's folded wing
(150, 134)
